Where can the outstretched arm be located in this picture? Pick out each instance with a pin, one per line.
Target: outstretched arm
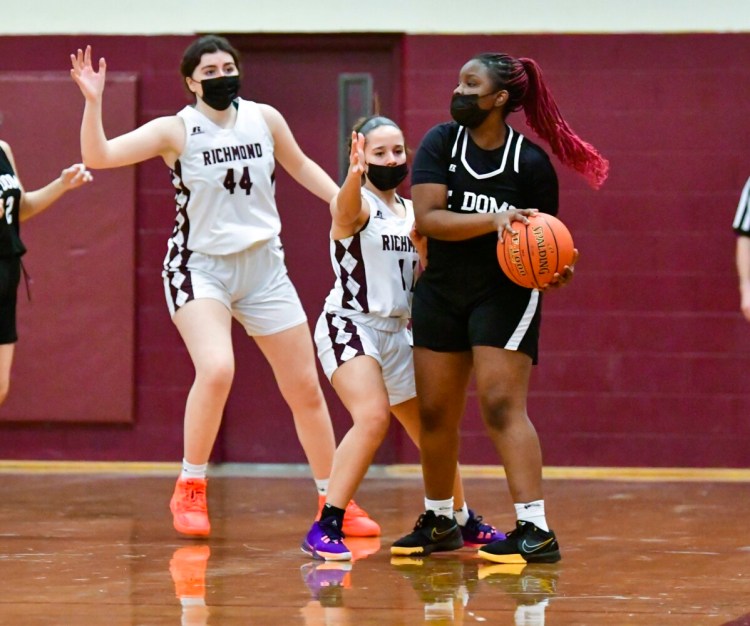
(300, 167)
(34, 202)
(164, 136)
(349, 210)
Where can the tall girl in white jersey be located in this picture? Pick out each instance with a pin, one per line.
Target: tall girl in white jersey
(363, 339)
(224, 259)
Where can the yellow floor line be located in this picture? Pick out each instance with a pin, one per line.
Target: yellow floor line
(628, 474)
(87, 467)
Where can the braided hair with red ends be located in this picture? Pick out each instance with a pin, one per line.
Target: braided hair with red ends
(522, 79)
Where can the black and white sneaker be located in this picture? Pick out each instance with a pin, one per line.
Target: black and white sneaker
(432, 533)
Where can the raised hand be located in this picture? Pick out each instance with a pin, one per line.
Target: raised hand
(357, 154)
(90, 82)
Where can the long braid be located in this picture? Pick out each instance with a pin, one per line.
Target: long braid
(522, 78)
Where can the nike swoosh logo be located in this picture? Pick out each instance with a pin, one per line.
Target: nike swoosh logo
(438, 535)
(533, 547)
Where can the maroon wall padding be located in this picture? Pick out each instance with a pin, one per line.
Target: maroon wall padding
(642, 356)
(75, 358)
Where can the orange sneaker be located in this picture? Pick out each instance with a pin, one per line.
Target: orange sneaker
(189, 507)
(357, 523)
(362, 547)
(188, 569)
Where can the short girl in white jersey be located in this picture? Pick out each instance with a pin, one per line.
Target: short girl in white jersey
(224, 259)
(364, 344)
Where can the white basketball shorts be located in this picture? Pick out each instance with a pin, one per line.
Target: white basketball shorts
(340, 339)
(253, 284)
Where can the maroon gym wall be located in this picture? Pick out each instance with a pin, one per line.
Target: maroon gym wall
(641, 355)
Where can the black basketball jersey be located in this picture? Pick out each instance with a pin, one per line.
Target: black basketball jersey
(516, 175)
(10, 201)
(741, 222)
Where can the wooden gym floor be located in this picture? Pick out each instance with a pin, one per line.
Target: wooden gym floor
(93, 544)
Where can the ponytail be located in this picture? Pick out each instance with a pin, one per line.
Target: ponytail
(522, 79)
(543, 116)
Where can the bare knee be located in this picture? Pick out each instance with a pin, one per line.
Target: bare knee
(499, 411)
(4, 390)
(373, 424)
(217, 375)
(303, 392)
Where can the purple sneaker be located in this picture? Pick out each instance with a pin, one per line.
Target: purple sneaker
(325, 541)
(476, 533)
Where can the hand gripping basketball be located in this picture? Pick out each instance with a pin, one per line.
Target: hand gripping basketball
(536, 252)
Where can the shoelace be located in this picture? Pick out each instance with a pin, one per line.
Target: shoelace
(420, 522)
(333, 532)
(477, 523)
(194, 499)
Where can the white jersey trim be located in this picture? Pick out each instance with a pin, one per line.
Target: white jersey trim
(506, 152)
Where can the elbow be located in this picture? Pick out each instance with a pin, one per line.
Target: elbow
(92, 162)
(95, 159)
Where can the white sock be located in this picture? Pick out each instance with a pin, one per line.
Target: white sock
(531, 615)
(440, 507)
(462, 514)
(532, 512)
(322, 486)
(440, 611)
(193, 471)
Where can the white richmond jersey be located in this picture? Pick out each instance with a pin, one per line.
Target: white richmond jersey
(375, 269)
(224, 185)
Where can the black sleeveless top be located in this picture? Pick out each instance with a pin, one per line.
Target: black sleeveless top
(517, 175)
(10, 202)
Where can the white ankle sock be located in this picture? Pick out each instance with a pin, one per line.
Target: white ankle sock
(440, 507)
(532, 512)
(462, 515)
(322, 486)
(193, 471)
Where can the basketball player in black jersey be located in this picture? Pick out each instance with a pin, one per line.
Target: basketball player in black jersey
(16, 205)
(471, 179)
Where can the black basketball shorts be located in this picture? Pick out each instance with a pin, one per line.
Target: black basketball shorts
(10, 276)
(454, 318)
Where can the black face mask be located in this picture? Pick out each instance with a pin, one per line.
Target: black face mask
(219, 93)
(386, 177)
(465, 109)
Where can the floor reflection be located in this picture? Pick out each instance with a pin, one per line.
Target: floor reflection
(188, 570)
(91, 550)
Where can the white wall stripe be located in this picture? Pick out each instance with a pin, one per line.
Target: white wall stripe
(444, 16)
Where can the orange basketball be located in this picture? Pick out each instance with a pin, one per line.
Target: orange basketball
(537, 251)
